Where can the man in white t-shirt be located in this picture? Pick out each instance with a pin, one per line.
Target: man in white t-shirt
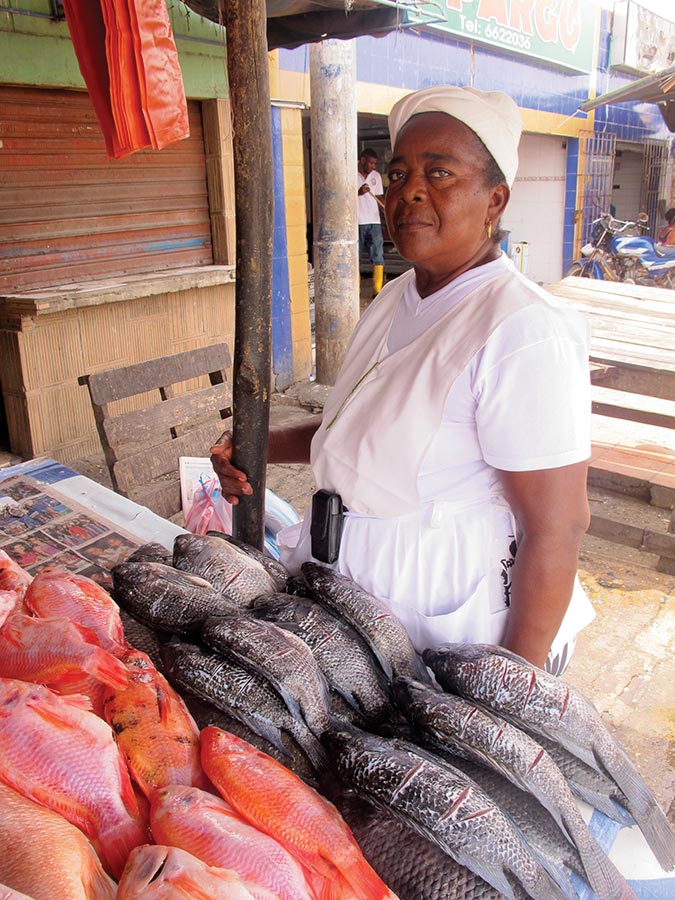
(369, 204)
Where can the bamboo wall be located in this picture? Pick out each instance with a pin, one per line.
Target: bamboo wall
(48, 412)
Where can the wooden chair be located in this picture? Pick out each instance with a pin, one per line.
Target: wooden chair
(142, 447)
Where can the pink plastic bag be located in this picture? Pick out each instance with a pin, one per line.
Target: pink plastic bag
(209, 511)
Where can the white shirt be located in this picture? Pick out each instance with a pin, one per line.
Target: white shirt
(367, 206)
(521, 403)
(487, 424)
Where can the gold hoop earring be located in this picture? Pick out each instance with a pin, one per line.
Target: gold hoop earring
(489, 229)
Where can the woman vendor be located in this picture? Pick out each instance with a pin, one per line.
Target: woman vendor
(458, 431)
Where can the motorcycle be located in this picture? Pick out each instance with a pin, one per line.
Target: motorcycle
(620, 251)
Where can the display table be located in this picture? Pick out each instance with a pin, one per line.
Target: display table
(111, 525)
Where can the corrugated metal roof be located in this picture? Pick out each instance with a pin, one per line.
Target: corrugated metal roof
(658, 88)
(650, 89)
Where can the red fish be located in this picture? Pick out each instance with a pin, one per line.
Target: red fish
(153, 728)
(275, 800)
(208, 827)
(46, 857)
(167, 873)
(57, 592)
(8, 603)
(56, 650)
(60, 755)
(12, 576)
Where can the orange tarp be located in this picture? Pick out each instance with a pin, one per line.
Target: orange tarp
(128, 59)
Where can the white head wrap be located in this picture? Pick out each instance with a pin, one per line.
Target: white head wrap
(492, 115)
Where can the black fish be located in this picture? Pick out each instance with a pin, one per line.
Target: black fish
(241, 693)
(457, 724)
(165, 599)
(443, 805)
(276, 570)
(381, 630)
(546, 705)
(344, 658)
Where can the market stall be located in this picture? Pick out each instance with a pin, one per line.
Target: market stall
(51, 515)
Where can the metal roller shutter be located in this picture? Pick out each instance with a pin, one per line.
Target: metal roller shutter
(68, 214)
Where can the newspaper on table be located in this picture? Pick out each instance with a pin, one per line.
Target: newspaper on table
(52, 515)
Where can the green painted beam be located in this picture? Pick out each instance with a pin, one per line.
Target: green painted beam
(36, 50)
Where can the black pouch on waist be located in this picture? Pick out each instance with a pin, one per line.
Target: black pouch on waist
(326, 527)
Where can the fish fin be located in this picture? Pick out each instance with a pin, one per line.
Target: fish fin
(51, 714)
(604, 804)
(364, 880)
(11, 631)
(106, 668)
(644, 808)
(312, 748)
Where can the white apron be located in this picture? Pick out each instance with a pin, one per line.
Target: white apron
(442, 567)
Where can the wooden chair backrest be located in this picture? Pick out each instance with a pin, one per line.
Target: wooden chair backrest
(175, 406)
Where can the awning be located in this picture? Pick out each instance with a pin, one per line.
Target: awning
(658, 88)
(291, 23)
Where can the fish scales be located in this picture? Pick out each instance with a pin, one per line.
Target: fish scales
(588, 784)
(544, 704)
(45, 856)
(381, 630)
(292, 756)
(458, 724)
(413, 867)
(233, 573)
(275, 569)
(444, 806)
(344, 658)
(151, 552)
(240, 693)
(537, 825)
(281, 657)
(166, 599)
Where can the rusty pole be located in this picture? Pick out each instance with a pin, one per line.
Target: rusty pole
(334, 184)
(248, 76)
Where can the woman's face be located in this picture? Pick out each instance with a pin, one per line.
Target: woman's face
(438, 202)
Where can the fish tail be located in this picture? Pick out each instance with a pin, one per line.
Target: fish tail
(658, 833)
(646, 811)
(601, 873)
(364, 880)
(106, 668)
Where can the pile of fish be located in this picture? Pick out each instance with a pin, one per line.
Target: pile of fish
(241, 701)
(109, 790)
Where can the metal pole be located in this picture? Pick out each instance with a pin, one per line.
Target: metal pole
(248, 76)
(334, 165)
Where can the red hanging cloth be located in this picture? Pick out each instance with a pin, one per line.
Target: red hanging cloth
(128, 59)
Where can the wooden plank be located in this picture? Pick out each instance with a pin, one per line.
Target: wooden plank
(163, 498)
(631, 414)
(154, 462)
(645, 539)
(104, 387)
(129, 432)
(104, 268)
(650, 383)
